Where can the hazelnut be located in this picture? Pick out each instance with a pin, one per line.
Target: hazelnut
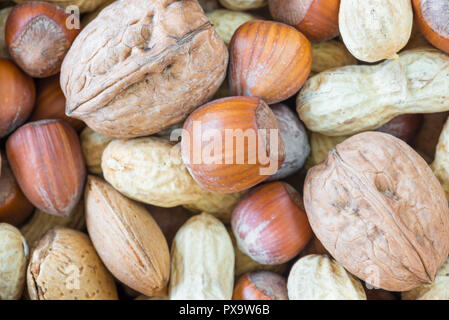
(50, 103)
(17, 96)
(269, 224)
(427, 137)
(259, 52)
(48, 163)
(260, 285)
(38, 36)
(404, 127)
(13, 260)
(316, 19)
(294, 136)
(219, 159)
(14, 206)
(64, 266)
(432, 17)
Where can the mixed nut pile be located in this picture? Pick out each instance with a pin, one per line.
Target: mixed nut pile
(224, 149)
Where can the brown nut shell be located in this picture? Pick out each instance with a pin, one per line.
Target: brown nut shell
(260, 285)
(317, 19)
(269, 60)
(17, 97)
(127, 238)
(270, 225)
(432, 18)
(38, 35)
(379, 210)
(64, 266)
(142, 66)
(14, 206)
(47, 161)
(222, 164)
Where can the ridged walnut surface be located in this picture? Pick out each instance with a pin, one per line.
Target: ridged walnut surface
(379, 210)
(142, 66)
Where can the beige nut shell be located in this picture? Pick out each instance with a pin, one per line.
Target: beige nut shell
(377, 29)
(438, 290)
(142, 66)
(379, 210)
(65, 266)
(226, 22)
(202, 265)
(318, 277)
(13, 262)
(126, 237)
(352, 99)
(41, 222)
(150, 170)
(330, 54)
(83, 5)
(4, 14)
(93, 145)
(243, 4)
(320, 145)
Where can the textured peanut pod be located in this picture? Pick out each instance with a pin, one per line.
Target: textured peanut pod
(202, 265)
(320, 145)
(351, 99)
(150, 170)
(330, 54)
(134, 49)
(318, 277)
(41, 222)
(13, 262)
(209, 5)
(244, 263)
(93, 145)
(379, 210)
(243, 4)
(83, 5)
(226, 22)
(128, 240)
(377, 29)
(440, 164)
(64, 266)
(438, 290)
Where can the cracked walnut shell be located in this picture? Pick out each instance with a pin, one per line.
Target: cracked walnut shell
(379, 210)
(142, 66)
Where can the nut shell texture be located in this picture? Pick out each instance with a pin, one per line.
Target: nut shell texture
(269, 60)
(351, 99)
(13, 261)
(142, 66)
(243, 4)
(378, 209)
(47, 161)
(377, 29)
(202, 261)
(318, 277)
(83, 5)
(64, 266)
(127, 238)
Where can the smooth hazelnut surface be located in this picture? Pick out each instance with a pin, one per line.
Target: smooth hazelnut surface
(432, 17)
(260, 285)
(48, 163)
(269, 60)
(404, 127)
(14, 206)
(317, 19)
(17, 96)
(270, 225)
(38, 36)
(223, 164)
(50, 103)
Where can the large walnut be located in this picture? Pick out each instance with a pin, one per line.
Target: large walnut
(142, 66)
(378, 209)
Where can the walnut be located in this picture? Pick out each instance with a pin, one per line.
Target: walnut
(379, 210)
(142, 66)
